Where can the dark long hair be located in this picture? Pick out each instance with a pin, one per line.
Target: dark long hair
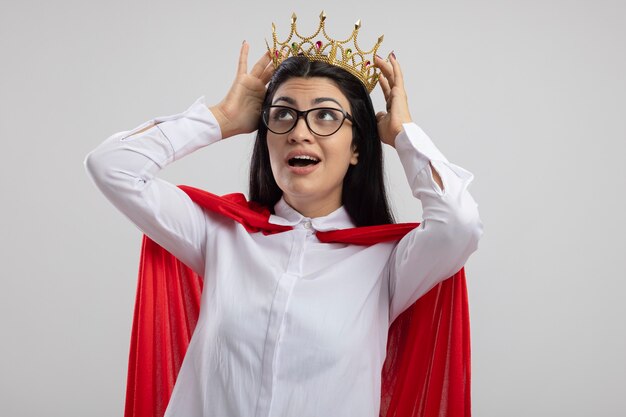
(363, 192)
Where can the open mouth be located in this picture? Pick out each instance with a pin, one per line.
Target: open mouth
(302, 161)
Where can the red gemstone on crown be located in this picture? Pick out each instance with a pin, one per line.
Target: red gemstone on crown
(318, 44)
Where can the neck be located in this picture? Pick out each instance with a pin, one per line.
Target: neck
(313, 208)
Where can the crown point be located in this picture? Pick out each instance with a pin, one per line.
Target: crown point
(336, 52)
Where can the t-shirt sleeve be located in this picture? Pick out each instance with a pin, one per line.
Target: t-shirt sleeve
(124, 168)
(450, 229)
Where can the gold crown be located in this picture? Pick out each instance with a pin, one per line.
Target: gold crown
(335, 52)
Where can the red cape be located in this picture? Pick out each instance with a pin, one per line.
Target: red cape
(427, 369)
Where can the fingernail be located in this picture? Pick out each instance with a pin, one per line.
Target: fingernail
(378, 56)
(244, 41)
(392, 54)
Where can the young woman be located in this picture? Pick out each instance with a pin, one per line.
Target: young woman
(288, 325)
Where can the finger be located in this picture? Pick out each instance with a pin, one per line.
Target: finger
(266, 76)
(398, 78)
(380, 115)
(385, 68)
(242, 66)
(260, 65)
(384, 85)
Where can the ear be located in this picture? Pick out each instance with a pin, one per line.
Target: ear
(354, 159)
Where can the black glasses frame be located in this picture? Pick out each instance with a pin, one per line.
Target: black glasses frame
(304, 114)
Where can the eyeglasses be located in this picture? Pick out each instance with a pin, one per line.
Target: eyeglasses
(321, 121)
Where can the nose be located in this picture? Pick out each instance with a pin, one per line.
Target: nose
(300, 132)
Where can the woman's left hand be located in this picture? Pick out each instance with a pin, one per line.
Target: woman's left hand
(392, 84)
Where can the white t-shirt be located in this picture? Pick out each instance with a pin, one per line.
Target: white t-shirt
(288, 326)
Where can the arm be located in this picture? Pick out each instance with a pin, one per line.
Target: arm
(451, 226)
(125, 166)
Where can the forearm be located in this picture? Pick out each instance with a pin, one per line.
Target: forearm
(436, 177)
(138, 154)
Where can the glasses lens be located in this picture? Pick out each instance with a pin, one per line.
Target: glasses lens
(325, 121)
(280, 119)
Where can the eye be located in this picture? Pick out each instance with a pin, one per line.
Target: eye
(281, 114)
(328, 115)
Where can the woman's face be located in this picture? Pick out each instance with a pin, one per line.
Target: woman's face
(309, 169)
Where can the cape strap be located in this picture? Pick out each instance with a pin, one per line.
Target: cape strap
(255, 218)
(427, 368)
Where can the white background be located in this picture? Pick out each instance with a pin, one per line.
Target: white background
(530, 96)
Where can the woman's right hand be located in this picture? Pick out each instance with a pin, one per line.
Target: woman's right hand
(239, 111)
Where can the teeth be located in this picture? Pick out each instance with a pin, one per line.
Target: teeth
(310, 158)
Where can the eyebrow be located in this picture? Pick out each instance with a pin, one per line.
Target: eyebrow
(315, 101)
